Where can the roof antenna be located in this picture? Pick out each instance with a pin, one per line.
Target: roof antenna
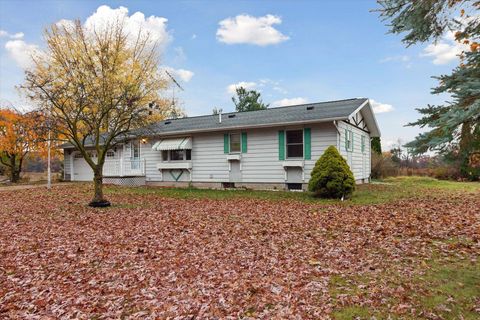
(176, 84)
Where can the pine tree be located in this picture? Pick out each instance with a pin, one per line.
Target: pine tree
(248, 100)
(331, 176)
(376, 145)
(454, 126)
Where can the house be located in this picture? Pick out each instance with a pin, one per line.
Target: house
(266, 149)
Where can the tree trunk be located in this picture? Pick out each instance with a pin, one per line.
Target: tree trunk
(14, 171)
(98, 199)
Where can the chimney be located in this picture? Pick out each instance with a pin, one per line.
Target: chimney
(220, 115)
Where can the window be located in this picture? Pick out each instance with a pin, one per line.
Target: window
(164, 155)
(295, 144)
(363, 143)
(135, 151)
(110, 154)
(78, 155)
(349, 140)
(176, 155)
(234, 142)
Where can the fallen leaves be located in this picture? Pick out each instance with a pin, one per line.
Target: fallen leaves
(158, 257)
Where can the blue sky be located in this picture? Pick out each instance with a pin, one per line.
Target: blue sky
(292, 51)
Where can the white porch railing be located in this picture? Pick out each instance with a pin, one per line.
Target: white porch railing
(123, 168)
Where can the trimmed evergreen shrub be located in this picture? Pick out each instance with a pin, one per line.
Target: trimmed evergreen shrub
(331, 177)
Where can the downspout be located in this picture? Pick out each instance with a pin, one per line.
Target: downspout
(338, 135)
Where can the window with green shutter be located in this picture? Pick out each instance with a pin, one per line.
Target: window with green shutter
(281, 145)
(363, 143)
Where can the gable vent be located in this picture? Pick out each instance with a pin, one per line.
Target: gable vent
(168, 122)
(310, 108)
(231, 115)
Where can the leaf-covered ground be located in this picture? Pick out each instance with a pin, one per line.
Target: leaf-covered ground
(157, 256)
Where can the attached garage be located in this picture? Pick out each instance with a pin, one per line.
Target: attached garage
(81, 169)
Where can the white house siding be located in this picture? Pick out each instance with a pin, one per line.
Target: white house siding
(151, 157)
(261, 162)
(323, 136)
(359, 161)
(67, 165)
(209, 161)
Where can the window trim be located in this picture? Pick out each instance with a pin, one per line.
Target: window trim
(286, 144)
(349, 139)
(363, 138)
(169, 155)
(134, 143)
(230, 143)
(114, 154)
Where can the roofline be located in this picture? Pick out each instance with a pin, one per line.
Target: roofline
(265, 125)
(280, 107)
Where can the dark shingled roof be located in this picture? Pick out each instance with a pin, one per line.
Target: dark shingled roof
(282, 115)
(311, 112)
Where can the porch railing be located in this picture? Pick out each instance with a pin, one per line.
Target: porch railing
(122, 167)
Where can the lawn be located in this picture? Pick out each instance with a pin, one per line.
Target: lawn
(404, 248)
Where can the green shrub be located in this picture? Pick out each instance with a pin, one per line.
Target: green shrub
(331, 177)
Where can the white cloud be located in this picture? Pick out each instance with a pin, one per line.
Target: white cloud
(185, 75)
(182, 74)
(246, 85)
(289, 102)
(445, 50)
(104, 16)
(252, 30)
(379, 107)
(16, 36)
(21, 52)
(401, 58)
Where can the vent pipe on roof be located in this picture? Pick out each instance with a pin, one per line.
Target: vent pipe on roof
(220, 115)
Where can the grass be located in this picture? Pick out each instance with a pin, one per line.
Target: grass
(448, 289)
(387, 190)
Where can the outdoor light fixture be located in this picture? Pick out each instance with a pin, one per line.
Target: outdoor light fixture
(143, 140)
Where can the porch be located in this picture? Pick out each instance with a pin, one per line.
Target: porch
(124, 168)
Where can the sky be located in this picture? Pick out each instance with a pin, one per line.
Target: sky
(293, 52)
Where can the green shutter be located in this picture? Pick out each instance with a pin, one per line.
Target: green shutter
(281, 145)
(351, 132)
(226, 143)
(346, 139)
(244, 142)
(307, 143)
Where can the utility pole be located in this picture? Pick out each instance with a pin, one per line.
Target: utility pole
(49, 144)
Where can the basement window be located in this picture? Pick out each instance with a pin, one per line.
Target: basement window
(228, 185)
(294, 186)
